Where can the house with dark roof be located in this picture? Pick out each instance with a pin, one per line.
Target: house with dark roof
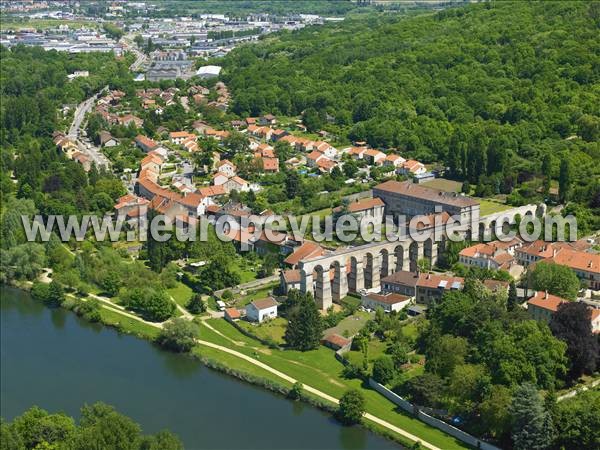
(261, 310)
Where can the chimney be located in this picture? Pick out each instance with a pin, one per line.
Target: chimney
(554, 252)
(545, 295)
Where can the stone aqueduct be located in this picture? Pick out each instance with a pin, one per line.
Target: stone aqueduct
(330, 277)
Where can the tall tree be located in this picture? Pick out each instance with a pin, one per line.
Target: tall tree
(572, 324)
(305, 325)
(565, 180)
(532, 428)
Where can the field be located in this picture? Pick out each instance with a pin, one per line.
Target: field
(319, 369)
(252, 295)
(351, 324)
(40, 24)
(181, 294)
(488, 207)
(271, 330)
(444, 185)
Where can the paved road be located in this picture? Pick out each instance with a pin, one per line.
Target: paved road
(140, 58)
(84, 145)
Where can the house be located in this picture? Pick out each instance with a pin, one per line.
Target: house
(313, 157)
(236, 183)
(327, 149)
(82, 159)
(177, 137)
(426, 288)
(195, 203)
(289, 279)
(374, 157)
(269, 165)
(145, 143)
(129, 119)
(220, 179)
(326, 165)
(336, 342)
(543, 305)
(355, 152)
(387, 301)
(268, 119)
(491, 255)
(585, 265)
(227, 167)
(261, 310)
(411, 167)
(365, 207)
(278, 134)
(107, 140)
(393, 160)
(232, 314)
(151, 162)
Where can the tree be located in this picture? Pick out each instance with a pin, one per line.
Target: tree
(495, 418)
(154, 304)
(163, 440)
(237, 142)
(296, 391)
(36, 427)
(351, 407)
(305, 325)
(178, 335)
(555, 279)
(196, 305)
(446, 353)
(383, 369)
(101, 425)
(532, 427)
(292, 184)
(426, 390)
(572, 324)
(565, 179)
(577, 421)
(513, 299)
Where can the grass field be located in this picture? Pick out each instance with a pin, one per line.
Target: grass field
(319, 369)
(130, 325)
(490, 207)
(350, 325)
(255, 294)
(272, 330)
(181, 293)
(444, 185)
(40, 24)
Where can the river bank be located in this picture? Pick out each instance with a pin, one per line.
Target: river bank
(59, 361)
(242, 370)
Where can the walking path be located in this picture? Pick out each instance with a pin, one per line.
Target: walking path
(109, 305)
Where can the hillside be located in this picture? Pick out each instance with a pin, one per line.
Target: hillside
(489, 89)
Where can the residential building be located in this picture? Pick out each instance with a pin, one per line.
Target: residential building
(107, 140)
(411, 167)
(543, 305)
(289, 279)
(145, 143)
(262, 309)
(232, 314)
(387, 301)
(491, 255)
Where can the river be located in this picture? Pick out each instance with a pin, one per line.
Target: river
(53, 359)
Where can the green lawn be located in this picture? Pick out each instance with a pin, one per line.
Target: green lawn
(488, 207)
(351, 325)
(319, 369)
(38, 24)
(245, 269)
(444, 185)
(128, 324)
(272, 330)
(255, 294)
(181, 293)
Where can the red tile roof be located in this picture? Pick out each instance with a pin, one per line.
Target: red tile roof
(546, 301)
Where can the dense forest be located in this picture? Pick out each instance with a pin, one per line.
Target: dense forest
(506, 94)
